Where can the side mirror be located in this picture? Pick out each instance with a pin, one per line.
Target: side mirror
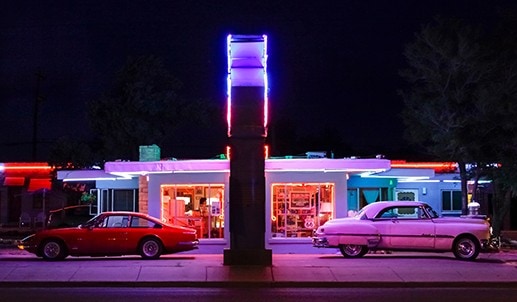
(86, 226)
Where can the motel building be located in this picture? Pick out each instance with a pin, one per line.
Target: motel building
(301, 193)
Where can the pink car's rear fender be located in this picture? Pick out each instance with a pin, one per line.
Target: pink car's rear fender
(359, 233)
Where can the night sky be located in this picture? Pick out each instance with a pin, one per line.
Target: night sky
(332, 64)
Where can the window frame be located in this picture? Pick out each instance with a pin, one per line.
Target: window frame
(451, 201)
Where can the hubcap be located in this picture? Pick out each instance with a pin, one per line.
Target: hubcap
(52, 250)
(150, 248)
(465, 248)
(353, 250)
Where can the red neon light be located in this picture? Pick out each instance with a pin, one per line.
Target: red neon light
(23, 166)
(26, 168)
(437, 166)
(228, 152)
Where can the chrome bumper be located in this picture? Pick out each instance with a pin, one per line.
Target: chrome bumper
(190, 244)
(488, 246)
(320, 242)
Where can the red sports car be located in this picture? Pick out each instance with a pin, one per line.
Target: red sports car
(112, 234)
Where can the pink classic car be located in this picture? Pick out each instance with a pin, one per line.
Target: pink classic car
(405, 226)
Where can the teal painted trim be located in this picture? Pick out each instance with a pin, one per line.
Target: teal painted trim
(360, 182)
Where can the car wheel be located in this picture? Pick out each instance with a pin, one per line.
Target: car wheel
(465, 248)
(352, 250)
(150, 248)
(53, 250)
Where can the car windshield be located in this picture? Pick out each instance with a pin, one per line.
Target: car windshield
(361, 214)
(432, 213)
(91, 222)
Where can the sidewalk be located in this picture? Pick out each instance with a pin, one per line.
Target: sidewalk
(20, 269)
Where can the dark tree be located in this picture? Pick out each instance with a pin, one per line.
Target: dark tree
(68, 153)
(461, 96)
(143, 108)
(447, 67)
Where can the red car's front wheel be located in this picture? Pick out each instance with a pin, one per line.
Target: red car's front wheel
(53, 250)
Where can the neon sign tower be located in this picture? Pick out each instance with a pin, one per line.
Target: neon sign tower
(247, 117)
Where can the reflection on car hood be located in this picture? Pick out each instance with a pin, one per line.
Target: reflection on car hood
(460, 220)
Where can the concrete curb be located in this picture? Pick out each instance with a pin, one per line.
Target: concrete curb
(257, 284)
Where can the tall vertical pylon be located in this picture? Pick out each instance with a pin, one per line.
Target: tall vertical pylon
(247, 118)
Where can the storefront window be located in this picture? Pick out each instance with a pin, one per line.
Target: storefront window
(116, 199)
(298, 209)
(195, 206)
(369, 195)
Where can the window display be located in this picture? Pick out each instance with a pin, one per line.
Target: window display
(196, 206)
(298, 209)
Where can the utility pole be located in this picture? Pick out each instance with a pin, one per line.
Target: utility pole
(37, 100)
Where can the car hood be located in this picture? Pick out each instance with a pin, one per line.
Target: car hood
(57, 230)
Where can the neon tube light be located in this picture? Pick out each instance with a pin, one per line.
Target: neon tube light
(437, 166)
(247, 60)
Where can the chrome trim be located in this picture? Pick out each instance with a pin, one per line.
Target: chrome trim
(488, 247)
(320, 242)
(194, 244)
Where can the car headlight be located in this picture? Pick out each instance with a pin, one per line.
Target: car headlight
(320, 230)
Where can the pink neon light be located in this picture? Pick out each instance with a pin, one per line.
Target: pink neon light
(266, 86)
(229, 105)
(263, 61)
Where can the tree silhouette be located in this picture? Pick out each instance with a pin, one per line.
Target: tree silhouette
(143, 108)
(460, 102)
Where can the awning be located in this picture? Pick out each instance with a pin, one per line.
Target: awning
(85, 175)
(38, 184)
(12, 181)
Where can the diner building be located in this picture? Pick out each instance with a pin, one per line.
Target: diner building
(301, 193)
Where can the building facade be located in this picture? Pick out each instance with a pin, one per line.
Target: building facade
(301, 194)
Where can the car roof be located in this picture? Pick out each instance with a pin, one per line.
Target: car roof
(372, 209)
(140, 214)
(123, 213)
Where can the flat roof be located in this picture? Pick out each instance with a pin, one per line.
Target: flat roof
(271, 165)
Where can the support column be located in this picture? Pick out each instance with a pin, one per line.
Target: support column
(247, 205)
